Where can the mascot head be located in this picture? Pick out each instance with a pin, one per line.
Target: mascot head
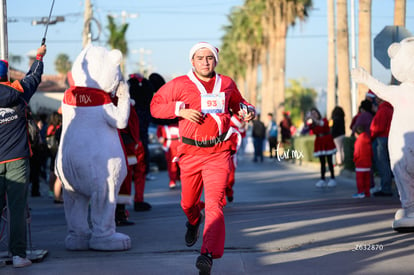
(96, 67)
(402, 60)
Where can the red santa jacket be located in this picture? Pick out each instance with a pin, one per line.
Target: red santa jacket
(363, 151)
(170, 134)
(324, 144)
(381, 123)
(213, 134)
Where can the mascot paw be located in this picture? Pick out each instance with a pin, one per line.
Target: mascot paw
(122, 91)
(403, 221)
(74, 242)
(115, 242)
(359, 75)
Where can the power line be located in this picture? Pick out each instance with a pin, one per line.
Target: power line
(174, 39)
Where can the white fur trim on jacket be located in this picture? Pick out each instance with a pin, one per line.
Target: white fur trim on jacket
(124, 199)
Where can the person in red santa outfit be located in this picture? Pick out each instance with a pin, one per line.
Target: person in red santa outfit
(237, 123)
(169, 137)
(135, 156)
(363, 162)
(203, 101)
(324, 146)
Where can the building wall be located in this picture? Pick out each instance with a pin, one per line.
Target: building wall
(43, 102)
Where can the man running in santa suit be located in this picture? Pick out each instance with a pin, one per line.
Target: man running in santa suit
(203, 101)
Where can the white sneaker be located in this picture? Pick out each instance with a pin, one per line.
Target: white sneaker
(150, 177)
(21, 262)
(331, 183)
(320, 183)
(358, 196)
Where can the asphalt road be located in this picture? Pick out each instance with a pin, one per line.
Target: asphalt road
(279, 223)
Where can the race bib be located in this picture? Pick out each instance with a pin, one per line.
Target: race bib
(213, 103)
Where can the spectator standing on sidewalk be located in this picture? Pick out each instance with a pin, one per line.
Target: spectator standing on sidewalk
(364, 117)
(203, 100)
(15, 152)
(338, 133)
(52, 138)
(324, 147)
(285, 130)
(259, 135)
(271, 132)
(380, 128)
(363, 162)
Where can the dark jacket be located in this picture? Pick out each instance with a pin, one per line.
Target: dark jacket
(14, 142)
(338, 127)
(259, 129)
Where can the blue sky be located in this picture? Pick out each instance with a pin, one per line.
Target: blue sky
(164, 31)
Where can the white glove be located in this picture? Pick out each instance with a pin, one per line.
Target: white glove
(122, 91)
(360, 75)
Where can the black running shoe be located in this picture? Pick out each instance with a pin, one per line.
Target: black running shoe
(382, 194)
(142, 206)
(204, 264)
(191, 236)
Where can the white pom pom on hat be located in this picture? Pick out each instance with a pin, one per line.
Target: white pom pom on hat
(201, 45)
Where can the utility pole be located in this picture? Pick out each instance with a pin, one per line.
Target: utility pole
(87, 36)
(353, 60)
(4, 49)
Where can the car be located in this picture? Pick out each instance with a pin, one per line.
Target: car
(156, 152)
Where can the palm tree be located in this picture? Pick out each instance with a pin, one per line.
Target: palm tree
(331, 85)
(280, 14)
(364, 42)
(257, 39)
(299, 99)
(230, 58)
(63, 64)
(241, 47)
(117, 39)
(344, 86)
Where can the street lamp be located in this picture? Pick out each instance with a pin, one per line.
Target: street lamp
(125, 15)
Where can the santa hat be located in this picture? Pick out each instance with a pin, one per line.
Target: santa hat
(4, 68)
(370, 94)
(137, 76)
(201, 45)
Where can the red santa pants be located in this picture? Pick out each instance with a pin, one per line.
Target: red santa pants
(173, 169)
(136, 174)
(211, 172)
(363, 180)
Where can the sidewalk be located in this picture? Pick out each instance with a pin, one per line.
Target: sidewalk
(279, 223)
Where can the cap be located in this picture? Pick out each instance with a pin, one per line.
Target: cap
(201, 45)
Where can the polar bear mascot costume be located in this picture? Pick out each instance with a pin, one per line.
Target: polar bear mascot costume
(90, 161)
(401, 136)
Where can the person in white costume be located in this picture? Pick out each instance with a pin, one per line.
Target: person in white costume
(401, 135)
(91, 162)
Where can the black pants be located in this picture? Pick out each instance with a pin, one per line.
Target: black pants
(323, 166)
(272, 145)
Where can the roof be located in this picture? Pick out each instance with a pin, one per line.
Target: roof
(50, 83)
